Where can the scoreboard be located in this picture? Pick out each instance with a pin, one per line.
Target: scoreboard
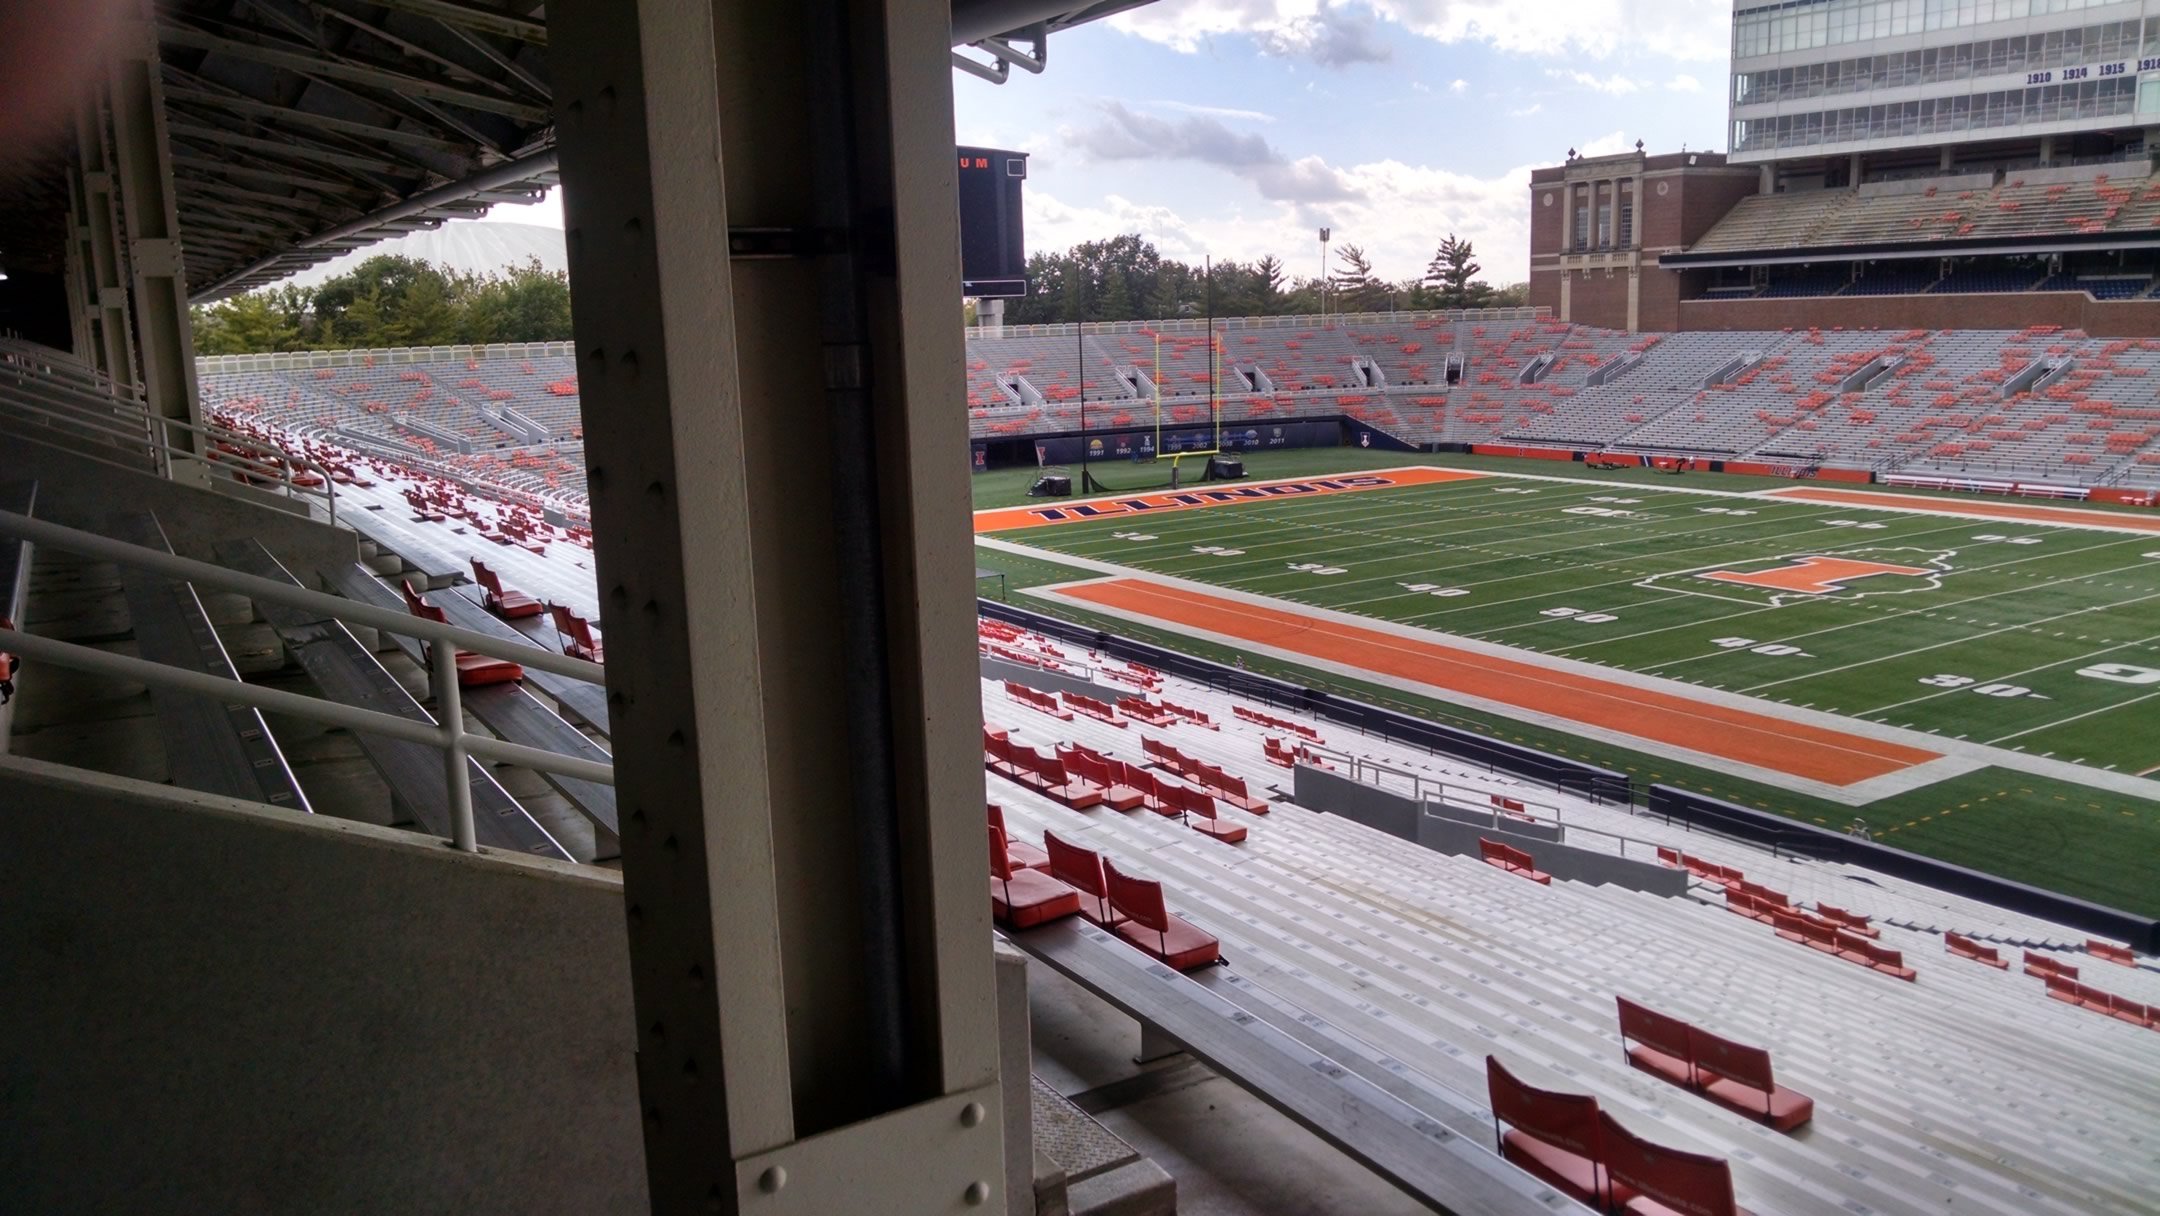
(993, 247)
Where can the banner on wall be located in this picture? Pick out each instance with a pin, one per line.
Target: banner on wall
(1141, 445)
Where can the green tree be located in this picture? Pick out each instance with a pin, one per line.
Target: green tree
(526, 304)
(1353, 287)
(1452, 274)
(1268, 277)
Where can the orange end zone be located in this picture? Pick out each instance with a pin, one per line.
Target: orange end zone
(2022, 512)
(1761, 740)
(1210, 496)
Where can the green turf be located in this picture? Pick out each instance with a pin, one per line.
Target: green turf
(2005, 617)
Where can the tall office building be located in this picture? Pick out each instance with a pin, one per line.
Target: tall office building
(1838, 92)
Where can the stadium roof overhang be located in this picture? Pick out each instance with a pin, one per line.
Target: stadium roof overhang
(304, 129)
(2037, 246)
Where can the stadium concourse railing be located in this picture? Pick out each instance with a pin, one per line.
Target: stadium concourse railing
(48, 398)
(1182, 325)
(445, 641)
(305, 360)
(1565, 776)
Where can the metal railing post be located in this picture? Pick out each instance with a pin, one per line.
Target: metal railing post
(450, 712)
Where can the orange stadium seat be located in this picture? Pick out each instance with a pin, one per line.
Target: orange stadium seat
(1152, 927)
(1023, 898)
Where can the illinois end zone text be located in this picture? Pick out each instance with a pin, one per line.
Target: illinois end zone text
(1185, 500)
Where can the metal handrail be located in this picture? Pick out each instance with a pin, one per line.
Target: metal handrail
(1357, 764)
(82, 398)
(445, 642)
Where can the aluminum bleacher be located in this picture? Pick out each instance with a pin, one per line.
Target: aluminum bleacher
(1415, 965)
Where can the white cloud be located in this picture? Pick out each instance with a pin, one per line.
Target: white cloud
(1419, 86)
(1398, 216)
(1120, 134)
(1535, 107)
(1614, 85)
(1684, 83)
(1186, 107)
(1458, 87)
(1696, 30)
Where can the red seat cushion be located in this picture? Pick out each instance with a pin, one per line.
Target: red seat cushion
(1122, 798)
(478, 670)
(1026, 856)
(1030, 898)
(1671, 1067)
(1786, 1109)
(1571, 1172)
(1184, 946)
(1228, 833)
(1643, 1205)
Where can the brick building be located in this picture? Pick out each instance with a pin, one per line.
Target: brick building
(1600, 225)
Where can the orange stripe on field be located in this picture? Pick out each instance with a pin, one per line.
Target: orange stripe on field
(1976, 510)
(1210, 495)
(1764, 741)
(1814, 575)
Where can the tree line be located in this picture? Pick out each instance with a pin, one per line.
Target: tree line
(389, 300)
(1125, 278)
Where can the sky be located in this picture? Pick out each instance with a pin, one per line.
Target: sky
(1236, 128)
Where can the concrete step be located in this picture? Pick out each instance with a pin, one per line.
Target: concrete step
(1084, 1169)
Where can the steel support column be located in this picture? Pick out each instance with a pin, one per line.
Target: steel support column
(81, 295)
(142, 157)
(791, 658)
(112, 340)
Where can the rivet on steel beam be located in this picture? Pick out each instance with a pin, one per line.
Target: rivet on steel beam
(971, 1115)
(977, 1194)
(772, 1179)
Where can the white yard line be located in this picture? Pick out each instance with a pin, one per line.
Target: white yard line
(2105, 709)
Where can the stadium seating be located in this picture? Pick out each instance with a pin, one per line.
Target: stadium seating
(576, 635)
(1020, 897)
(1552, 1135)
(1153, 928)
(504, 603)
(1442, 952)
(1723, 1071)
(473, 670)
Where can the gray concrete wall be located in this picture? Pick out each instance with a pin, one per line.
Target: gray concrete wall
(1049, 681)
(211, 1006)
(1562, 861)
(82, 493)
(1493, 821)
(1316, 790)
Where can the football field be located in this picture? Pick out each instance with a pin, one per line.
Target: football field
(1856, 649)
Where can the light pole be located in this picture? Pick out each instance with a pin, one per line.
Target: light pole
(1324, 233)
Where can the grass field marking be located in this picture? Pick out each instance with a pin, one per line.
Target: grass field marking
(1421, 514)
(2027, 513)
(1308, 516)
(2004, 679)
(1885, 658)
(2105, 709)
(1755, 607)
(1645, 582)
(1902, 613)
(1428, 550)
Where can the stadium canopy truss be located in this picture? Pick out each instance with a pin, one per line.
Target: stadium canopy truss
(301, 130)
